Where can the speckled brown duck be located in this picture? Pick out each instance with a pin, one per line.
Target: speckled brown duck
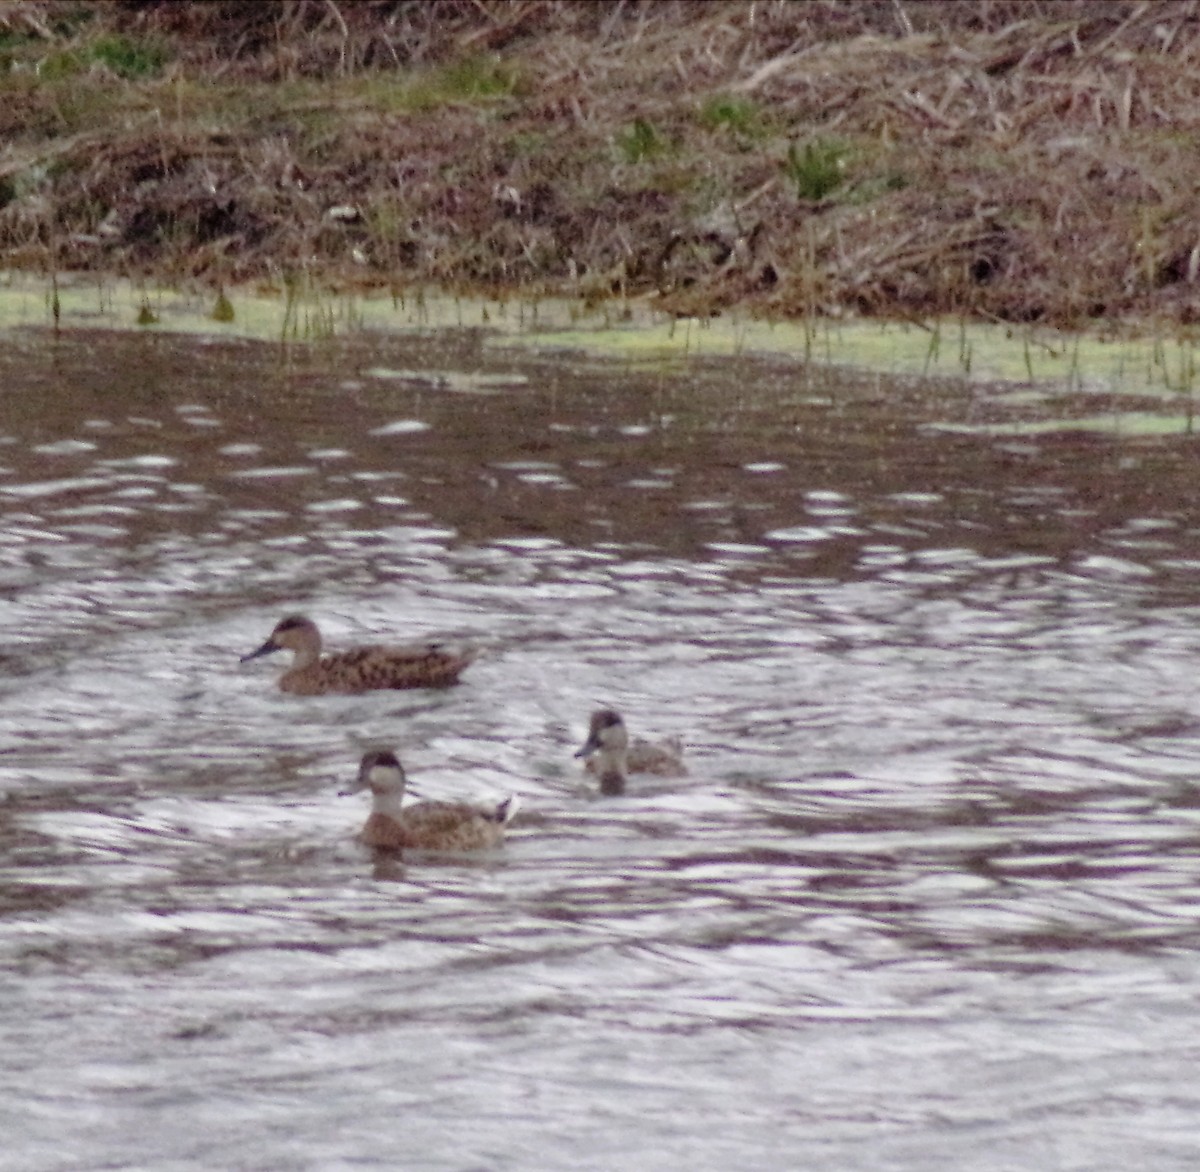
(610, 756)
(426, 825)
(361, 669)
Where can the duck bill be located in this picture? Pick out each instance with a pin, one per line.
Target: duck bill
(588, 747)
(362, 781)
(265, 649)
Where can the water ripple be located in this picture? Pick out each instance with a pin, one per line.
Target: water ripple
(926, 898)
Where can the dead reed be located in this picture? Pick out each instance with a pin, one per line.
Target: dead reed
(1018, 160)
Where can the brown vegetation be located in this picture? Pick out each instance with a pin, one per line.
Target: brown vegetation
(1013, 159)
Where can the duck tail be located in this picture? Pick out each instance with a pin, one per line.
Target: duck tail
(506, 809)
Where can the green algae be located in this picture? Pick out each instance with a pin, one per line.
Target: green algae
(977, 354)
(1020, 368)
(1133, 424)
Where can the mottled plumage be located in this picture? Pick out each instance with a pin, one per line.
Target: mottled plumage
(609, 755)
(430, 826)
(362, 669)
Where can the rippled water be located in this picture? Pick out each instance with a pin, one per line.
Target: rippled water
(927, 900)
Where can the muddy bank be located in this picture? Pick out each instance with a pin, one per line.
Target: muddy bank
(1007, 161)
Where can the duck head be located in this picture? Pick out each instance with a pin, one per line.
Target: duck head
(294, 633)
(608, 741)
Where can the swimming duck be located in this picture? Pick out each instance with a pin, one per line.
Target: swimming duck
(429, 826)
(361, 669)
(608, 753)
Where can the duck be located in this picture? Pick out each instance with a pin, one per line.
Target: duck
(361, 669)
(425, 825)
(607, 752)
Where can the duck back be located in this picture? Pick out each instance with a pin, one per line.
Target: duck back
(437, 826)
(366, 669)
(662, 758)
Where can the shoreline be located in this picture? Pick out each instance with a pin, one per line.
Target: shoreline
(1007, 360)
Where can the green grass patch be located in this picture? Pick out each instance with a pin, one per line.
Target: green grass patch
(472, 79)
(640, 142)
(62, 63)
(133, 60)
(817, 169)
(127, 58)
(737, 116)
(223, 308)
(477, 77)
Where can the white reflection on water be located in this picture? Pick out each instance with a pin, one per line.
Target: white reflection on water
(926, 900)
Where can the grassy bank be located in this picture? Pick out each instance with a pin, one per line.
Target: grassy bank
(1014, 161)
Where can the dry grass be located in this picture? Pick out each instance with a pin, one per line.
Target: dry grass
(1012, 160)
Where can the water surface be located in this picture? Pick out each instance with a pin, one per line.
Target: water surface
(926, 900)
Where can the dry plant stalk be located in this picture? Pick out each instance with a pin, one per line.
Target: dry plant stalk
(1013, 159)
